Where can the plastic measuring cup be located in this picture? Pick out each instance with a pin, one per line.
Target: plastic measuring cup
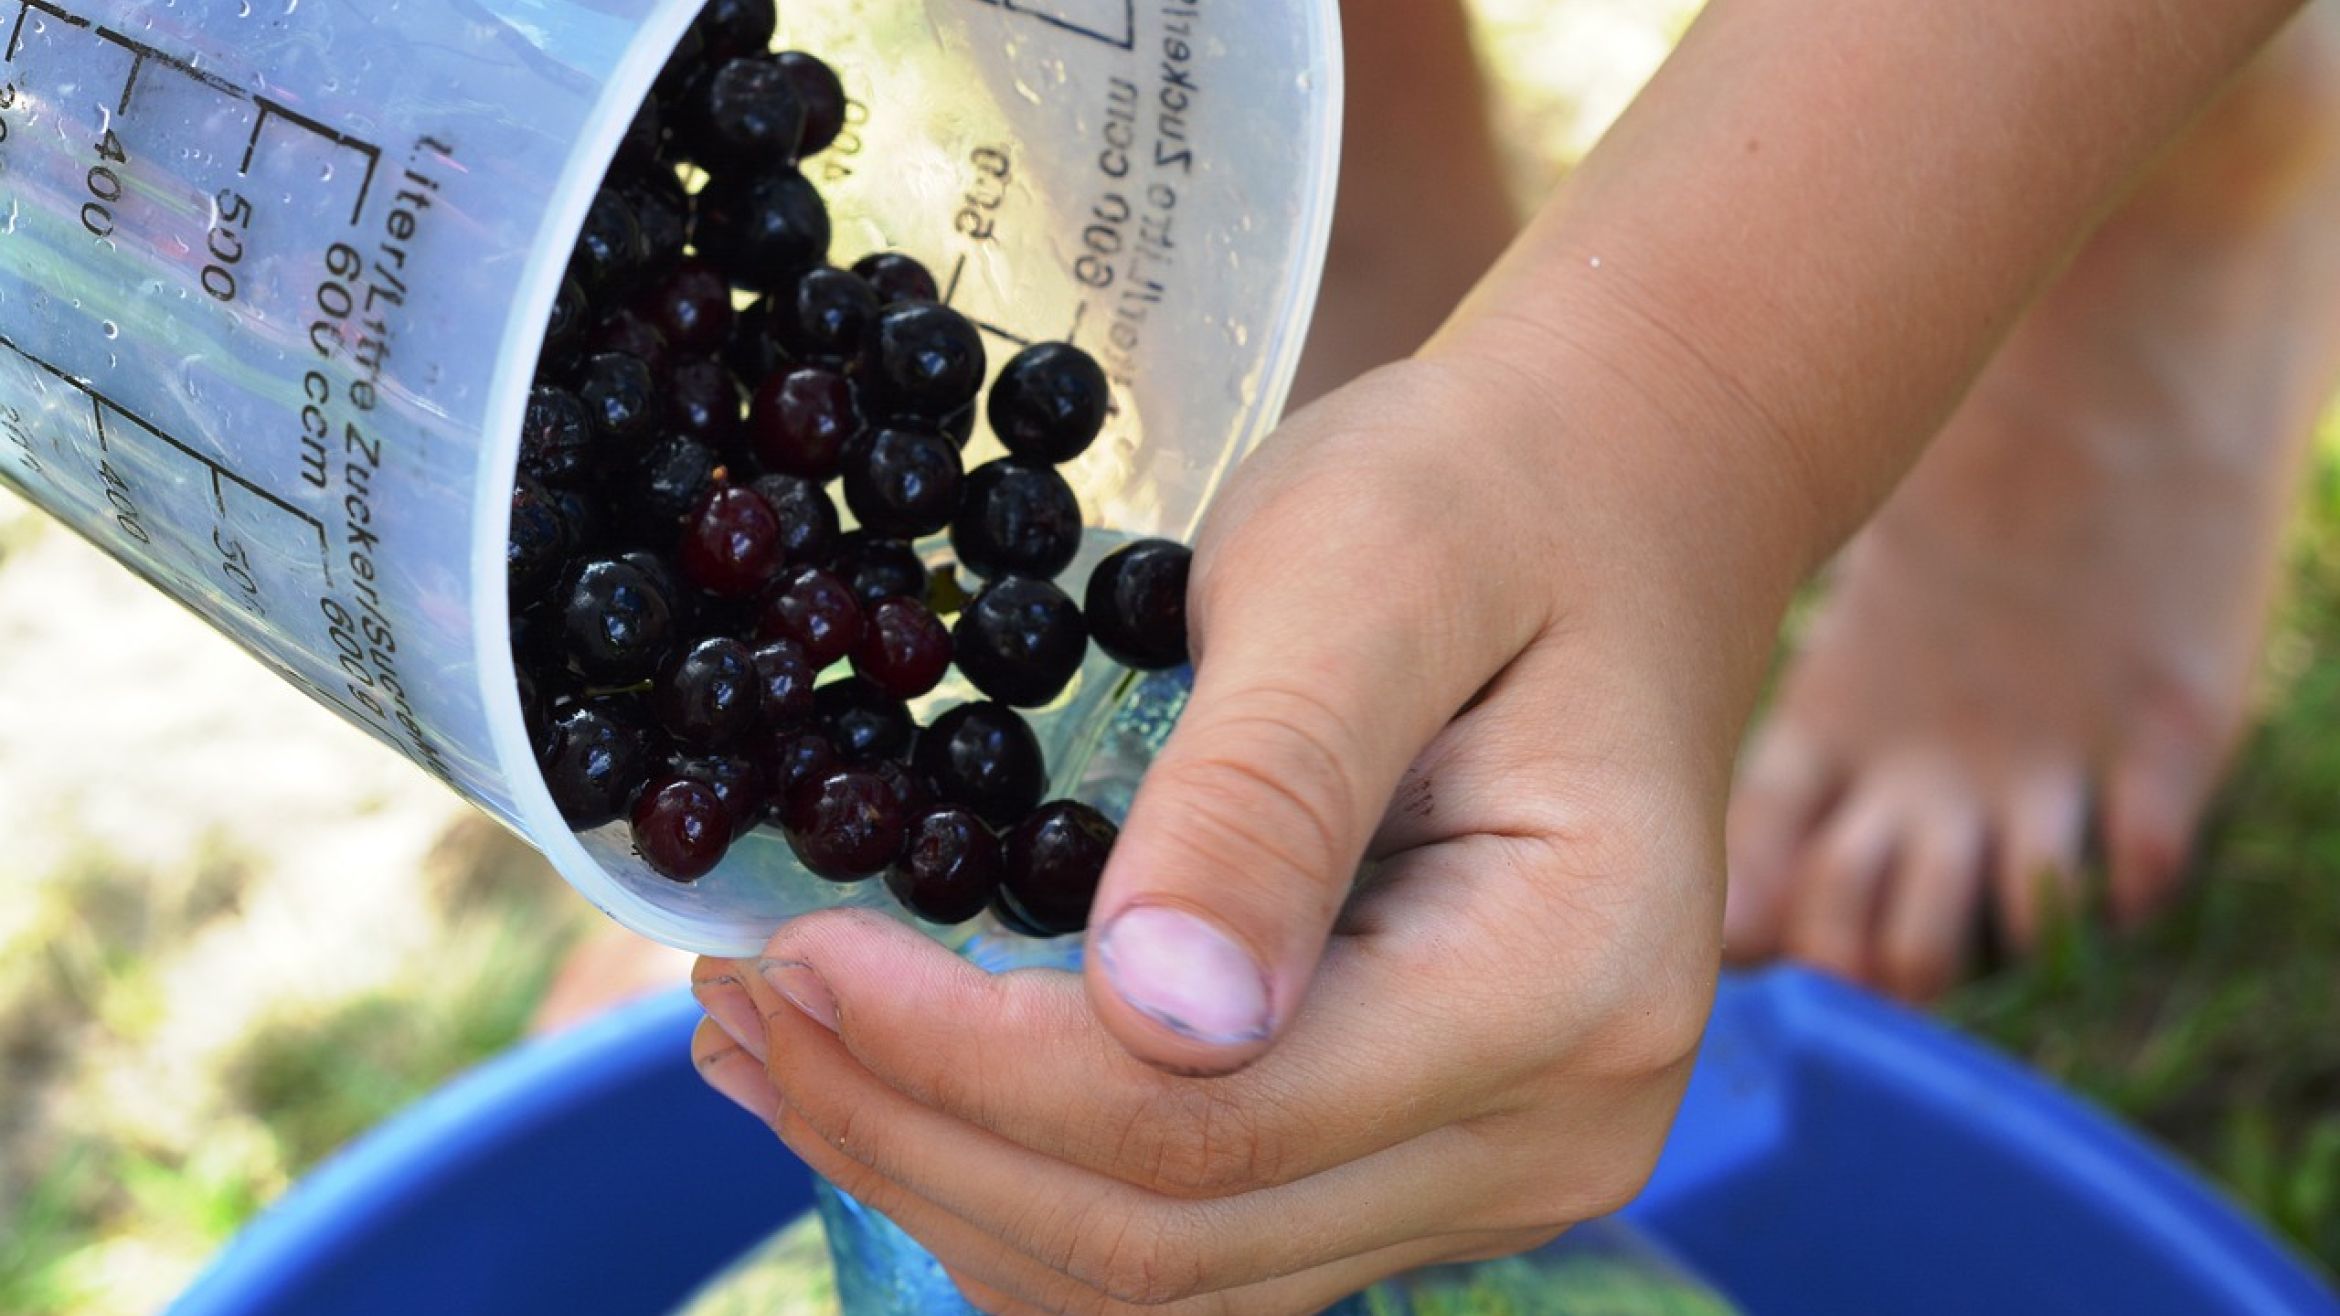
(273, 277)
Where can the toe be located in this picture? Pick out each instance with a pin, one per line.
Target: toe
(1783, 789)
(2037, 877)
(1834, 881)
(1930, 896)
(2153, 801)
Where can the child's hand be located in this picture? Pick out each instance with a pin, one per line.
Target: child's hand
(1428, 642)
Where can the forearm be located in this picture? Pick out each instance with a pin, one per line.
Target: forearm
(1811, 230)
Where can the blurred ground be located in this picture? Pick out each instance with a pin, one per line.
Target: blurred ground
(235, 932)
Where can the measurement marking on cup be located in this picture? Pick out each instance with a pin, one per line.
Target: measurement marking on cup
(1108, 22)
(100, 405)
(269, 109)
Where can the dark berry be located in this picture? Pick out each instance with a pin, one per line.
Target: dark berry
(929, 359)
(556, 437)
(703, 401)
(808, 519)
(710, 698)
(731, 28)
(1137, 604)
(897, 278)
(533, 703)
(1053, 860)
(692, 307)
(681, 828)
(1049, 403)
(862, 721)
(903, 482)
(736, 781)
(847, 826)
(909, 787)
(877, 568)
(657, 493)
(731, 545)
(1011, 919)
(582, 513)
(793, 760)
(813, 608)
(611, 248)
(904, 649)
(743, 116)
(595, 757)
(949, 869)
(1018, 518)
(564, 333)
(1021, 641)
(689, 57)
(959, 426)
(616, 625)
(985, 757)
(784, 679)
(752, 352)
(663, 209)
(629, 333)
(827, 316)
(621, 399)
(761, 229)
(823, 97)
(800, 422)
(661, 573)
(538, 545)
(645, 137)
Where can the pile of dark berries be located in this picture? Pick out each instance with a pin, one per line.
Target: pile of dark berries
(702, 648)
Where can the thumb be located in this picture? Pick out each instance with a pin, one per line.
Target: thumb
(1330, 647)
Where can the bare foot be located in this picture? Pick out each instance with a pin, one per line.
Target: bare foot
(2056, 619)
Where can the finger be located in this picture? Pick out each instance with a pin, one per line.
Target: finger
(734, 1073)
(1930, 901)
(1058, 1215)
(1783, 791)
(1245, 836)
(2038, 869)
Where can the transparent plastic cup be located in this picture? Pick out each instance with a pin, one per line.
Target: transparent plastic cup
(273, 278)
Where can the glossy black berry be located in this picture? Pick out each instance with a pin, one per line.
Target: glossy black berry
(827, 317)
(862, 721)
(737, 781)
(595, 756)
(556, 437)
(692, 307)
(621, 400)
(950, 866)
(794, 759)
(875, 568)
(959, 426)
(801, 421)
(813, 608)
(710, 697)
(897, 278)
(564, 333)
(731, 28)
(823, 97)
(1017, 518)
(731, 544)
(626, 332)
(681, 828)
(704, 402)
(905, 649)
(763, 228)
(663, 209)
(687, 61)
(655, 494)
(847, 826)
(929, 360)
(658, 569)
(743, 116)
(616, 625)
(1053, 861)
(808, 519)
(538, 545)
(1137, 604)
(985, 757)
(784, 681)
(611, 249)
(1012, 919)
(1049, 403)
(581, 511)
(645, 137)
(903, 482)
(1021, 641)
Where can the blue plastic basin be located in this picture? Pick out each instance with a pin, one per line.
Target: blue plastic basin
(1835, 1154)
